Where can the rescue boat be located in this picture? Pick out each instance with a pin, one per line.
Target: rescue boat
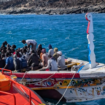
(81, 81)
(13, 93)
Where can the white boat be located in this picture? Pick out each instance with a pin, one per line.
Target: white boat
(83, 81)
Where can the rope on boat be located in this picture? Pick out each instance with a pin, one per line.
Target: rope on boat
(23, 77)
(38, 81)
(65, 90)
(46, 78)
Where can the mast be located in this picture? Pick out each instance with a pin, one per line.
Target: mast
(90, 37)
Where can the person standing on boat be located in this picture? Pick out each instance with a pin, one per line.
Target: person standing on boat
(51, 51)
(61, 60)
(52, 64)
(30, 42)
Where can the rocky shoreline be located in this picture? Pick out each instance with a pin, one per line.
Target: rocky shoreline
(52, 11)
(33, 7)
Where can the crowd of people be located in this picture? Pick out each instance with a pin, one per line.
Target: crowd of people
(30, 57)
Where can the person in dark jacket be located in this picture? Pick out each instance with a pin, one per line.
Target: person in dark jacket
(9, 62)
(33, 58)
(2, 61)
(39, 49)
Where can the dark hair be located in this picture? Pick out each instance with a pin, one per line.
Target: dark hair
(5, 42)
(50, 47)
(40, 46)
(23, 41)
(14, 46)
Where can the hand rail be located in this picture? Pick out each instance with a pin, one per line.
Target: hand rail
(18, 85)
(6, 70)
(11, 95)
(26, 93)
(21, 86)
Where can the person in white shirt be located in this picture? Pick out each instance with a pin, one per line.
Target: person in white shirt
(51, 51)
(61, 60)
(30, 42)
(52, 64)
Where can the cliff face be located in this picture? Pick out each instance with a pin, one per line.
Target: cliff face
(51, 6)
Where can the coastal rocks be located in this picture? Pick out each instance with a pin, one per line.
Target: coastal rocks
(52, 6)
(51, 11)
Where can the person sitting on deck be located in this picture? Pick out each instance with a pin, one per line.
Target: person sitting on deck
(34, 66)
(44, 58)
(52, 64)
(25, 54)
(51, 51)
(8, 46)
(13, 47)
(39, 49)
(2, 62)
(33, 58)
(3, 51)
(61, 60)
(3, 56)
(4, 44)
(30, 42)
(55, 55)
(41, 54)
(16, 61)
(9, 62)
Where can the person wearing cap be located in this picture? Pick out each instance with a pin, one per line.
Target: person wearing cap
(55, 55)
(30, 42)
(44, 58)
(61, 60)
(52, 64)
(51, 51)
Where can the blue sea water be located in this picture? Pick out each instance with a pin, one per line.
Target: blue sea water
(66, 32)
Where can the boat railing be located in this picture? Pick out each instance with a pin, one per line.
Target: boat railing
(8, 94)
(6, 70)
(22, 88)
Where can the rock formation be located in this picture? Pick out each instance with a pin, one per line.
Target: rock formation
(51, 6)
